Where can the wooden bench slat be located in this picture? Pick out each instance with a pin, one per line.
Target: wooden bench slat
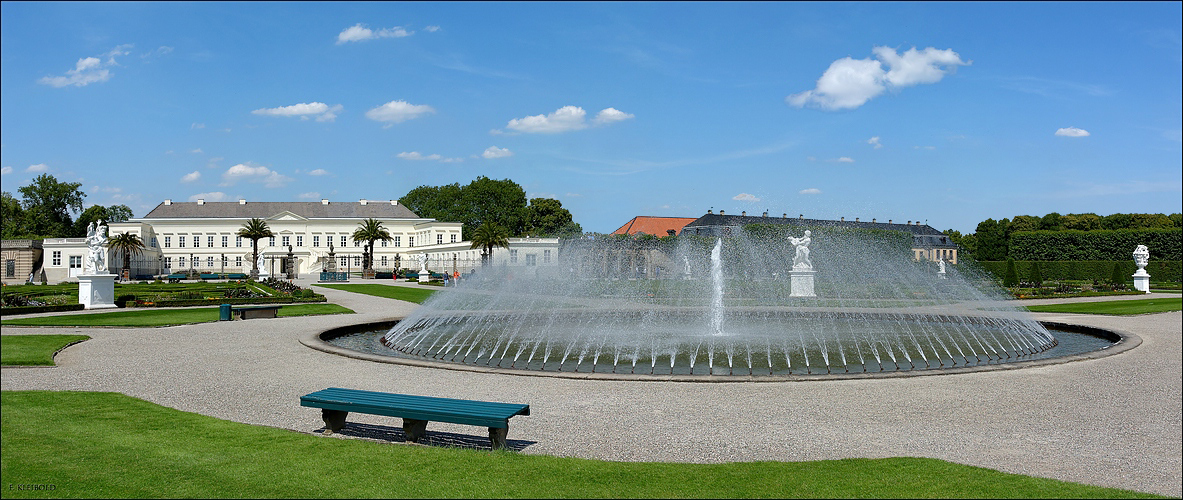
(460, 411)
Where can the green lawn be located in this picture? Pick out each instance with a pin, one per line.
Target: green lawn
(33, 350)
(111, 445)
(409, 294)
(1115, 307)
(146, 317)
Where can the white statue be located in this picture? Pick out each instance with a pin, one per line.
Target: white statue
(259, 263)
(941, 263)
(96, 242)
(801, 259)
(423, 262)
(1141, 256)
(686, 265)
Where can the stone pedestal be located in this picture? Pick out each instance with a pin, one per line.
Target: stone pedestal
(1142, 281)
(941, 274)
(424, 276)
(801, 283)
(97, 291)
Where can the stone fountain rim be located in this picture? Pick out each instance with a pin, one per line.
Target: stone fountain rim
(1125, 342)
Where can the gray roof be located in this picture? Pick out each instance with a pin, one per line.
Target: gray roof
(265, 209)
(923, 235)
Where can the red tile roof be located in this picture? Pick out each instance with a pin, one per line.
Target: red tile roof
(657, 226)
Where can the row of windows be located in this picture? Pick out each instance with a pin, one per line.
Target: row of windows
(531, 259)
(287, 241)
(209, 262)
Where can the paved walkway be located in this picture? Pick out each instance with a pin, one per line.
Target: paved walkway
(1113, 421)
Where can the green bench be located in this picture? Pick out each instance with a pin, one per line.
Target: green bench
(252, 312)
(336, 403)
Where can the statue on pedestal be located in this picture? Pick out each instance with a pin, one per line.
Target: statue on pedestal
(96, 254)
(801, 259)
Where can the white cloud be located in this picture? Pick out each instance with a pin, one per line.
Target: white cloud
(398, 112)
(264, 175)
(191, 176)
(212, 197)
(415, 155)
(745, 197)
(843, 159)
(5, 170)
(564, 119)
(611, 115)
(87, 70)
(323, 112)
(359, 32)
(319, 171)
(311, 195)
(849, 83)
(40, 167)
(929, 148)
(810, 191)
(196, 151)
(1072, 132)
(431, 29)
(196, 126)
(874, 141)
(496, 152)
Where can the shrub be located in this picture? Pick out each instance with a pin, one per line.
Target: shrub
(1035, 276)
(1011, 278)
(122, 300)
(1117, 277)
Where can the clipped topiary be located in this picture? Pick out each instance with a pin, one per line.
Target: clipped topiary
(1011, 278)
(1035, 275)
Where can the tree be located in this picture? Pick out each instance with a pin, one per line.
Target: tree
(484, 200)
(992, 239)
(435, 202)
(1117, 277)
(12, 218)
(546, 217)
(1081, 222)
(1023, 223)
(48, 205)
(113, 213)
(1011, 278)
(1035, 274)
(369, 231)
(488, 236)
(126, 244)
(1051, 222)
(255, 230)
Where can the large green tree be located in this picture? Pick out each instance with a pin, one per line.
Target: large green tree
(547, 217)
(484, 200)
(992, 239)
(369, 231)
(48, 205)
(12, 218)
(255, 230)
(113, 213)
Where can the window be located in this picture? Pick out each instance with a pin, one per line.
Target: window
(196, 261)
(356, 260)
(315, 241)
(410, 241)
(343, 240)
(300, 241)
(271, 241)
(238, 241)
(181, 262)
(238, 261)
(75, 262)
(287, 240)
(168, 242)
(398, 241)
(383, 261)
(453, 238)
(439, 239)
(225, 241)
(209, 241)
(57, 257)
(180, 241)
(513, 256)
(168, 262)
(546, 256)
(531, 260)
(356, 243)
(154, 244)
(10, 268)
(383, 243)
(344, 261)
(209, 261)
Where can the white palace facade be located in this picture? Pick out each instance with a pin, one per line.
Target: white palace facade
(201, 236)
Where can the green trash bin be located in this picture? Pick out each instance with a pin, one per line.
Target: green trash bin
(224, 313)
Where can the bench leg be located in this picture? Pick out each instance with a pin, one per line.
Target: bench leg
(497, 437)
(414, 429)
(334, 420)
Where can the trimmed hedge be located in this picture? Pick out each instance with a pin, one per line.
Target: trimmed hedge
(219, 301)
(1089, 270)
(1116, 245)
(4, 311)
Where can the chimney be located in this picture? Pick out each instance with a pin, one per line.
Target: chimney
(765, 214)
(394, 202)
(909, 223)
(168, 202)
(872, 220)
(800, 216)
(842, 219)
(720, 212)
(743, 213)
(324, 201)
(200, 201)
(889, 221)
(363, 201)
(708, 211)
(242, 202)
(856, 219)
(784, 215)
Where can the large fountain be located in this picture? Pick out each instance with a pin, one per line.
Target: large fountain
(724, 306)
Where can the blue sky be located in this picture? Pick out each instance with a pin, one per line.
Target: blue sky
(948, 113)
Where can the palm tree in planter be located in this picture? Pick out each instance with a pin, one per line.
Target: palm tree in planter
(255, 230)
(126, 244)
(488, 236)
(369, 231)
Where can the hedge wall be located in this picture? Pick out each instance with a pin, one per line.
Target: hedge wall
(1116, 245)
(220, 301)
(41, 309)
(1099, 270)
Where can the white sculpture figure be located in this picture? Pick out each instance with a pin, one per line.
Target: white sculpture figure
(686, 266)
(941, 263)
(422, 262)
(1141, 277)
(801, 259)
(96, 242)
(259, 263)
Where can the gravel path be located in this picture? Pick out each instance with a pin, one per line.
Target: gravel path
(1113, 421)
